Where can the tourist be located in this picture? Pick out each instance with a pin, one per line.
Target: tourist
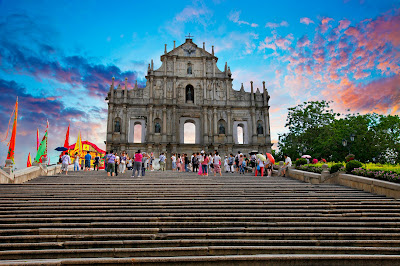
(65, 162)
(137, 164)
(116, 163)
(178, 163)
(230, 163)
(204, 163)
(253, 162)
(287, 164)
(241, 158)
(110, 160)
(243, 165)
(260, 167)
(88, 158)
(195, 162)
(173, 159)
(186, 163)
(247, 163)
(226, 164)
(96, 162)
(129, 163)
(210, 162)
(151, 161)
(145, 163)
(162, 161)
(217, 163)
(122, 165)
(105, 161)
(76, 162)
(237, 157)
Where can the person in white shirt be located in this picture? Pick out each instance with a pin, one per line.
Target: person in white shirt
(217, 168)
(261, 166)
(173, 158)
(288, 163)
(65, 160)
(226, 164)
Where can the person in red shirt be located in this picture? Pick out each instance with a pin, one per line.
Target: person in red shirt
(204, 164)
(137, 165)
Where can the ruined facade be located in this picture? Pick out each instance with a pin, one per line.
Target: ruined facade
(188, 88)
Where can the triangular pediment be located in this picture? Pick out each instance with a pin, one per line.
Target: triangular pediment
(189, 49)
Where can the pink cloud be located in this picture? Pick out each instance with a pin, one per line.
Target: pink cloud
(306, 21)
(274, 25)
(343, 24)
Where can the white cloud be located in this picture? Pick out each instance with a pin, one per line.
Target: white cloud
(234, 16)
(274, 25)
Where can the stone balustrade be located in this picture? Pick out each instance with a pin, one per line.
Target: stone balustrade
(23, 175)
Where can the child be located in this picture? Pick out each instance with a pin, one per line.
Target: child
(242, 167)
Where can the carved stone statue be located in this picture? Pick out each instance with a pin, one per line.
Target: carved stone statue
(189, 96)
(260, 129)
(221, 129)
(117, 127)
(157, 128)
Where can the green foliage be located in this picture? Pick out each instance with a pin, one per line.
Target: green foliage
(316, 130)
(310, 168)
(336, 167)
(300, 162)
(352, 164)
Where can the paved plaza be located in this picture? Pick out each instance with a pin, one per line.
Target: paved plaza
(183, 218)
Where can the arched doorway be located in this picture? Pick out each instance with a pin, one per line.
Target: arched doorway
(137, 133)
(189, 133)
(240, 133)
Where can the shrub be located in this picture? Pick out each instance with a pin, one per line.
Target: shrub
(336, 167)
(351, 165)
(350, 157)
(301, 162)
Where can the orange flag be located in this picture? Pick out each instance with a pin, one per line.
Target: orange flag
(11, 144)
(29, 162)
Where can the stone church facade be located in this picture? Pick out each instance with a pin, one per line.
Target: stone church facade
(188, 88)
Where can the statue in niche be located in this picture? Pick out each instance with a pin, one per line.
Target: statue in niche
(189, 69)
(117, 127)
(260, 129)
(157, 128)
(221, 129)
(189, 93)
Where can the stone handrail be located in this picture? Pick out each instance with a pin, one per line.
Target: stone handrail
(367, 184)
(27, 174)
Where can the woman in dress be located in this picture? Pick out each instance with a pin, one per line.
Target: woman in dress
(178, 163)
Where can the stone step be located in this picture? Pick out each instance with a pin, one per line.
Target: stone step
(193, 235)
(225, 260)
(191, 251)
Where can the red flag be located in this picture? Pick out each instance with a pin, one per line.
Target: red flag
(11, 144)
(29, 162)
(37, 140)
(66, 142)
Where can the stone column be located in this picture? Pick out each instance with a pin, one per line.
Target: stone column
(205, 128)
(175, 128)
(151, 89)
(229, 125)
(164, 127)
(204, 90)
(150, 126)
(165, 89)
(174, 67)
(213, 66)
(174, 88)
(125, 125)
(227, 90)
(110, 124)
(204, 67)
(126, 90)
(253, 126)
(9, 168)
(215, 121)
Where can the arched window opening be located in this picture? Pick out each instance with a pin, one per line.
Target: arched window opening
(189, 94)
(240, 133)
(189, 68)
(189, 131)
(117, 125)
(137, 133)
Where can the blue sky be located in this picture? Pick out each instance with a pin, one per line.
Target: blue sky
(59, 56)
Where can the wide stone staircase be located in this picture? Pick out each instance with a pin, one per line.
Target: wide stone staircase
(186, 219)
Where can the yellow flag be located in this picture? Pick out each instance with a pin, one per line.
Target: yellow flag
(78, 145)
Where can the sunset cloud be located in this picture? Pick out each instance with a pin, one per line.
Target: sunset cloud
(306, 21)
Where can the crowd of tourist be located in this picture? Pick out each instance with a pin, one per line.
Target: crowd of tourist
(201, 163)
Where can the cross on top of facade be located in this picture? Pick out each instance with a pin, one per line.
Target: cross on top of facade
(189, 37)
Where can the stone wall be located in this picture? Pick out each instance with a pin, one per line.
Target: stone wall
(21, 176)
(371, 185)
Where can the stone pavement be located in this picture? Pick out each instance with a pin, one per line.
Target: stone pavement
(183, 218)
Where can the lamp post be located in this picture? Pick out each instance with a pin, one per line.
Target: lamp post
(345, 142)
